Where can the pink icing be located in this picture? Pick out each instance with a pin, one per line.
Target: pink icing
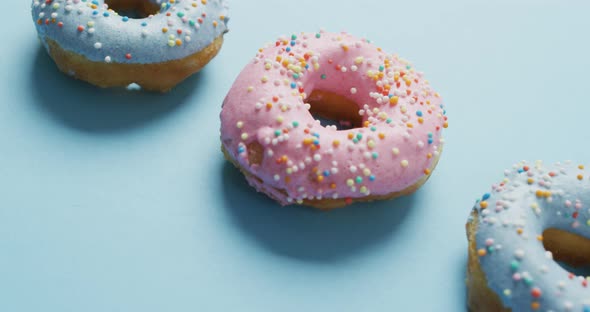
(403, 118)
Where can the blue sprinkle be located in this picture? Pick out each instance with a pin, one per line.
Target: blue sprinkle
(485, 196)
(125, 18)
(372, 178)
(326, 173)
(106, 14)
(293, 85)
(292, 42)
(520, 170)
(419, 113)
(315, 134)
(430, 141)
(316, 142)
(94, 12)
(144, 24)
(288, 49)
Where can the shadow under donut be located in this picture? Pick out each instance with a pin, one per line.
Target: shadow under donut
(84, 107)
(309, 234)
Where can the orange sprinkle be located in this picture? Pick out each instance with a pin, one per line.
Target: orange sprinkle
(540, 238)
(519, 231)
(382, 135)
(336, 143)
(481, 252)
(535, 305)
(580, 177)
(483, 204)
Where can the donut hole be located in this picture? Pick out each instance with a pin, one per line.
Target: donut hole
(135, 9)
(332, 109)
(570, 251)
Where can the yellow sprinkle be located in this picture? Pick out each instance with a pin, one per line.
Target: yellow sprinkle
(393, 100)
(483, 204)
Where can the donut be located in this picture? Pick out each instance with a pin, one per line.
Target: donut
(384, 140)
(160, 45)
(536, 216)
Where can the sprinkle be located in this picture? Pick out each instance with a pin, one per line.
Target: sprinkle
(404, 163)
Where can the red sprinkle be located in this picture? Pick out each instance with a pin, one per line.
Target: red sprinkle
(536, 292)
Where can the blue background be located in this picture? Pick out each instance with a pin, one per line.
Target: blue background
(121, 201)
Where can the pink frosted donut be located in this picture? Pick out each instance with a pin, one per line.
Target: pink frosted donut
(269, 131)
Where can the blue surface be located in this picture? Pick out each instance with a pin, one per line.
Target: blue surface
(121, 201)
